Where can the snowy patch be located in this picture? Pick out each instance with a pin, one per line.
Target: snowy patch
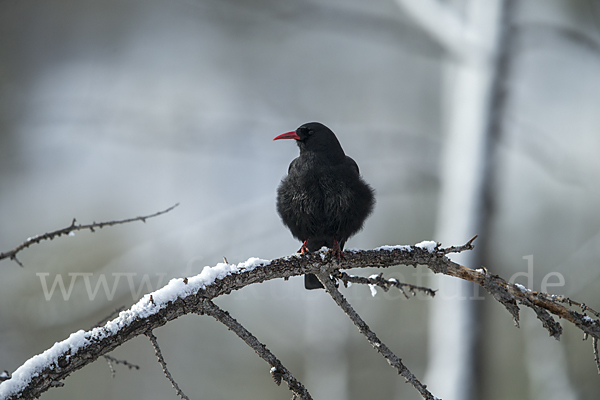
(32, 367)
(145, 307)
(373, 290)
(392, 248)
(427, 245)
(522, 288)
(373, 287)
(586, 318)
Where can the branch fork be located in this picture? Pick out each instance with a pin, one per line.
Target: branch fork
(196, 294)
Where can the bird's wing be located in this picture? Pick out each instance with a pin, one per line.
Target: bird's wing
(352, 163)
(292, 165)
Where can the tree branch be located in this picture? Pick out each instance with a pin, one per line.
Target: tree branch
(596, 356)
(163, 364)
(12, 254)
(385, 284)
(278, 371)
(509, 294)
(377, 344)
(194, 295)
(459, 249)
(110, 360)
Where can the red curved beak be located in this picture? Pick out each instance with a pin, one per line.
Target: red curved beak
(288, 135)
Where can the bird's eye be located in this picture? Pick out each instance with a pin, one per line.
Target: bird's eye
(310, 132)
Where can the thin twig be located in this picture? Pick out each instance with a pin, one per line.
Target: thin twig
(596, 356)
(110, 366)
(377, 344)
(383, 283)
(12, 254)
(110, 360)
(163, 364)
(570, 302)
(278, 371)
(509, 293)
(458, 249)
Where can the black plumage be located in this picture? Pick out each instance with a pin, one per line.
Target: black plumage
(323, 200)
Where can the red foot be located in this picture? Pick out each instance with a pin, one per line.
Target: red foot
(304, 248)
(337, 251)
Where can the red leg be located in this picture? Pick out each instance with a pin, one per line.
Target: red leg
(304, 248)
(337, 251)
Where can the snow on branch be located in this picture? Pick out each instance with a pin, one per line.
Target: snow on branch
(12, 254)
(182, 296)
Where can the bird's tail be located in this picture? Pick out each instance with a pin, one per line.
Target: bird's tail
(312, 282)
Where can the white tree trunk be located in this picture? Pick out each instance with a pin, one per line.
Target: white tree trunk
(470, 34)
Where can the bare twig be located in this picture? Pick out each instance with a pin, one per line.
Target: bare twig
(459, 249)
(596, 356)
(278, 371)
(377, 344)
(509, 294)
(110, 365)
(163, 364)
(110, 360)
(584, 307)
(12, 254)
(383, 283)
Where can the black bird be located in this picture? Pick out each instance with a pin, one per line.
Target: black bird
(323, 200)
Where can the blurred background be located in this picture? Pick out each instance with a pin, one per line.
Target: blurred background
(466, 116)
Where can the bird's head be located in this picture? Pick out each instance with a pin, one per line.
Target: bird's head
(316, 137)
